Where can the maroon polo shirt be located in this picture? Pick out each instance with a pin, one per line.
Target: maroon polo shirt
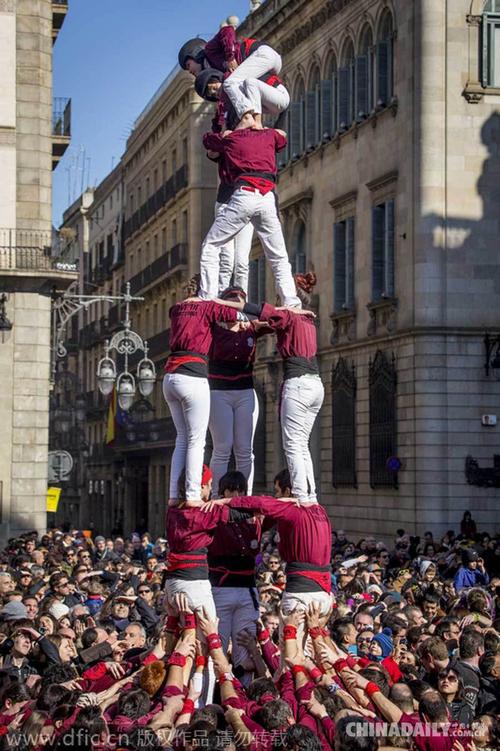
(231, 556)
(231, 358)
(189, 533)
(305, 537)
(249, 155)
(296, 340)
(223, 48)
(191, 334)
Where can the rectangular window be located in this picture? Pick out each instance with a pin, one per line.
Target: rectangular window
(383, 251)
(491, 46)
(344, 264)
(185, 227)
(257, 280)
(343, 425)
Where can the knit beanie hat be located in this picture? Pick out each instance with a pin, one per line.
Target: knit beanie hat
(384, 640)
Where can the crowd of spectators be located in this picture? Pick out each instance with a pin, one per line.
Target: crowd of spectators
(409, 657)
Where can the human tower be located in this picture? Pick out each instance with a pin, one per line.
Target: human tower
(209, 374)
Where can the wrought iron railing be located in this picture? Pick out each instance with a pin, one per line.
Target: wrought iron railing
(61, 117)
(29, 249)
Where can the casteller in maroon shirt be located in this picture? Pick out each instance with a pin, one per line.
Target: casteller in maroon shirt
(231, 556)
(232, 356)
(305, 540)
(249, 156)
(190, 531)
(296, 340)
(191, 323)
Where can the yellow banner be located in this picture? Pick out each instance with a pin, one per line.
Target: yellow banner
(53, 496)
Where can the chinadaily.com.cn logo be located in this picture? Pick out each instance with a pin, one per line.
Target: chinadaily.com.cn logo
(406, 730)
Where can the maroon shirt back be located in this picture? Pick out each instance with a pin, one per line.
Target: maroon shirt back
(191, 324)
(190, 529)
(247, 150)
(295, 334)
(305, 531)
(222, 48)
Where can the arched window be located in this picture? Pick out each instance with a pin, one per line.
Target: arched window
(297, 119)
(346, 88)
(329, 100)
(491, 44)
(385, 62)
(313, 135)
(298, 256)
(364, 75)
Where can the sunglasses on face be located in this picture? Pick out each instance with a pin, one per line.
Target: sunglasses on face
(143, 591)
(448, 676)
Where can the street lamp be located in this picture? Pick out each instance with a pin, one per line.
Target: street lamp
(106, 375)
(146, 374)
(125, 390)
(126, 343)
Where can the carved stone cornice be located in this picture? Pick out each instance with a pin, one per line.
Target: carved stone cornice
(272, 16)
(312, 24)
(474, 20)
(383, 316)
(295, 202)
(7, 6)
(473, 92)
(343, 327)
(382, 182)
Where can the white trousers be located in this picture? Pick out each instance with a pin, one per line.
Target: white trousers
(264, 61)
(188, 399)
(233, 261)
(236, 612)
(199, 595)
(301, 400)
(248, 206)
(233, 420)
(300, 601)
(264, 99)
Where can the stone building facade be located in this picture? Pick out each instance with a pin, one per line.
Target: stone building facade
(146, 224)
(34, 132)
(388, 192)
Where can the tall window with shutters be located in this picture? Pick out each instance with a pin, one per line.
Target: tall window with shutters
(383, 285)
(296, 120)
(347, 88)
(257, 280)
(343, 425)
(364, 75)
(313, 107)
(383, 425)
(385, 61)
(491, 44)
(343, 257)
(328, 97)
(298, 256)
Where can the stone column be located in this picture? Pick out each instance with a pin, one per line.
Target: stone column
(30, 411)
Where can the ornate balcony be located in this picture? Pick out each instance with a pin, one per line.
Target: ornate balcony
(27, 261)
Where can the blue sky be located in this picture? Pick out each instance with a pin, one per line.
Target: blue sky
(110, 57)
